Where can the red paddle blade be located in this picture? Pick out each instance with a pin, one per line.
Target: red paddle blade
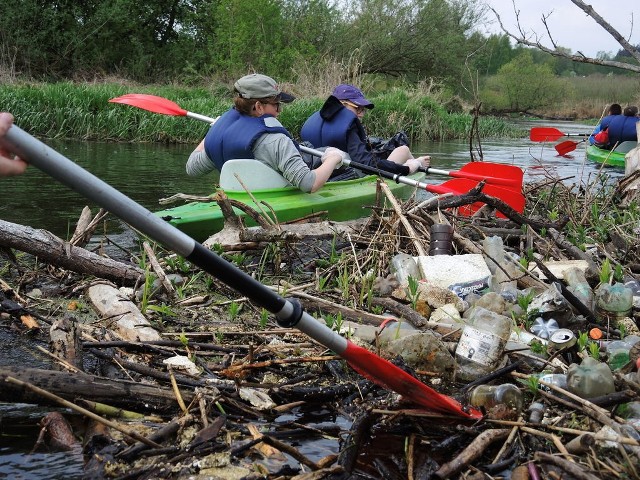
(545, 134)
(151, 103)
(460, 186)
(391, 377)
(508, 176)
(565, 147)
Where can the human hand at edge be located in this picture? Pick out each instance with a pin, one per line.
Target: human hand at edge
(9, 164)
(332, 154)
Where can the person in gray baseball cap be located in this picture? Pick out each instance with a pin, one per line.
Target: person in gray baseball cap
(250, 129)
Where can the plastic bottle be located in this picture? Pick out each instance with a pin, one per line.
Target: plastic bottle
(489, 396)
(544, 328)
(404, 266)
(482, 343)
(590, 379)
(536, 412)
(613, 302)
(441, 236)
(634, 285)
(388, 331)
(618, 351)
(578, 285)
(504, 270)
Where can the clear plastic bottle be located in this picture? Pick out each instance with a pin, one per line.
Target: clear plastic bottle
(482, 343)
(590, 379)
(404, 266)
(544, 328)
(556, 379)
(504, 270)
(578, 285)
(613, 302)
(489, 396)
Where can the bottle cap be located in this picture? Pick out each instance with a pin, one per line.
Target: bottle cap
(595, 333)
(562, 338)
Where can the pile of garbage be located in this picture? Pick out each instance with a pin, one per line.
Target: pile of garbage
(541, 350)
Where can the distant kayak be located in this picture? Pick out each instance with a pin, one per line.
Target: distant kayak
(610, 158)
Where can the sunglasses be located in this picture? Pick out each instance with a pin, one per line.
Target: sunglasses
(357, 108)
(278, 105)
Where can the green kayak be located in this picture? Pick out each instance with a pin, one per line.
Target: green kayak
(610, 158)
(342, 200)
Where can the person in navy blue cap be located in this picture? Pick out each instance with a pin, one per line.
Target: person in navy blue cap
(339, 124)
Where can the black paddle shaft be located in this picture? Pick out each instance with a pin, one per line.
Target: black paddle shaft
(75, 177)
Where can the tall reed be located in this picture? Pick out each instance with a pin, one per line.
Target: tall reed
(83, 111)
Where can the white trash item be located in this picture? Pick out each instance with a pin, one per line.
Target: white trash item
(462, 274)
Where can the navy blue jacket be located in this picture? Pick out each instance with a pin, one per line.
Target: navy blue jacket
(621, 128)
(234, 134)
(337, 126)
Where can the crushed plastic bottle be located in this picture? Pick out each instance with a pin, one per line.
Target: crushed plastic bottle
(578, 285)
(590, 379)
(544, 328)
(489, 396)
(505, 271)
(482, 343)
(613, 302)
(404, 266)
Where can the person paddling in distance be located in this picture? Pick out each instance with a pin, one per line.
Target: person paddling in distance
(621, 128)
(614, 109)
(9, 164)
(250, 129)
(339, 124)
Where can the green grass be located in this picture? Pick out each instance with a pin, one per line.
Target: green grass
(82, 111)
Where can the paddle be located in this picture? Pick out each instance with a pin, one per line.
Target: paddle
(288, 313)
(458, 186)
(550, 134)
(567, 146)
(493, 173)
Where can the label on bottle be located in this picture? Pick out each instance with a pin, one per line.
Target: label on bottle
(480, 346)
(474, 286)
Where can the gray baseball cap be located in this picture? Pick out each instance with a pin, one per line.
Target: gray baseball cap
(257, 85)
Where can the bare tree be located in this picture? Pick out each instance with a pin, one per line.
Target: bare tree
(524, 39)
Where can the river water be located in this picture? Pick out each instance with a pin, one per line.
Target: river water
(148, 172)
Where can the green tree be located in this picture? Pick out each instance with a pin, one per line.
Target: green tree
(527, 85)
(411, 38)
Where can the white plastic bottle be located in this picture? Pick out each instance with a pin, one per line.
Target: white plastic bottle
(481, 344)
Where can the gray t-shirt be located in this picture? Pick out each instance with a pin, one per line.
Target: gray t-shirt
(275, 150)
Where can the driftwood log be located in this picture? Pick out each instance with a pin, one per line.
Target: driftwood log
(55, 251)
(70, 386)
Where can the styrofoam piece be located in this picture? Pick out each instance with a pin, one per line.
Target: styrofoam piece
(449, 271)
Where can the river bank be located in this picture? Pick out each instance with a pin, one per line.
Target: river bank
(82, 111)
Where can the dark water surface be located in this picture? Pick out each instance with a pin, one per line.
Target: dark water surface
(148, 172)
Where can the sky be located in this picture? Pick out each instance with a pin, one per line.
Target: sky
(569, 25)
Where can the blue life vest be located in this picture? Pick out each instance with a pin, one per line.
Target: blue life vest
(234, 134)
(332, 131)
(621, 128)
